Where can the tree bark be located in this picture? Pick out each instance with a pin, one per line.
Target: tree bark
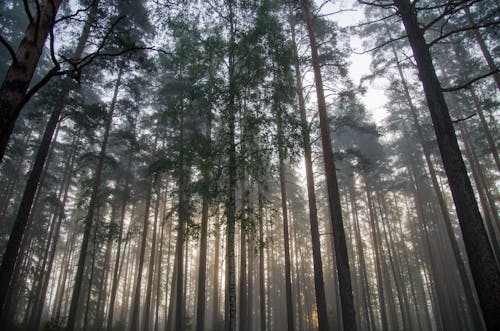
(344, 275)
(20, 73)
(482, 262)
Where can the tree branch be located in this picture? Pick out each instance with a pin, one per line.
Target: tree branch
(472, 81)
(449, 33)
(75, 14)
(28, 11)
(9, 49)
(385, 43)
(464, 118)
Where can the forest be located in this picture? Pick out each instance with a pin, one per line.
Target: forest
(249, 165)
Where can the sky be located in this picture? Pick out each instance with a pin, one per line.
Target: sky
(352, 14)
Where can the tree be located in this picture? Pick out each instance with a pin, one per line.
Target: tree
(348, 313)
(483, 266)
(24, 63)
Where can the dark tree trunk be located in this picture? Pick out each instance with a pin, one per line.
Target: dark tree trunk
(147, 316)
(481, 259)
(59, 216)
(262, 289)
(378, 262)
(319, 285)
(344, 275)
(284, 210)
(216, 267)
(90, 215)
(20, 73)
(202, 267)
(230, 320)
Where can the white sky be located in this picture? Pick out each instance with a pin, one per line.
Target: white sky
(374, 99)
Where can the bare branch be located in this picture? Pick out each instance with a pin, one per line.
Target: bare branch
(449, 33)
(75, 14)
(9, 48)
(377, 3)
(450, 9)
(385, 43)
(472, 81)
(28, 11)
(337, 12)
(463, 119)
(375, 21)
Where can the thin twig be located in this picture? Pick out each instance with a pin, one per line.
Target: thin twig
(472, 81)
(76, 13)
(463, 119)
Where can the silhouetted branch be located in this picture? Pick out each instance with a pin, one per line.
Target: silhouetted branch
(472, 81)
(28, 11)
(464, 119)
(9, 49)
(446, 35)
(380, 45)
(75, 14)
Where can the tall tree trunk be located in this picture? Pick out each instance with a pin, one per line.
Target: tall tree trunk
(477, 106)
(344, 275)
(481, 259)
(90, 215)
(146, 316)
(250, 279)
(134, 321)
(59, 216)
(378, 262)
(202, 267)
(216, 269)
(262, 288)
(367, 306)
(118, 260)
(177, 315)
(284, 210)
(319, 285)
(482, 45)
(230, 320)
(20, 73)
(470, 300)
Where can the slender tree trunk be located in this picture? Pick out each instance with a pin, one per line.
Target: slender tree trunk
(216, 266)
(90, 215)
(284, 210)
(146, 316)
(20, 73)
(477, 106)
(262, 288)
(484, 269)
(59, 216)
(482, 45)
(344, 275)
(202, 267)
(367, 306)
(230, 320)
(118, 260)
(319, 285)
(378, 263)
